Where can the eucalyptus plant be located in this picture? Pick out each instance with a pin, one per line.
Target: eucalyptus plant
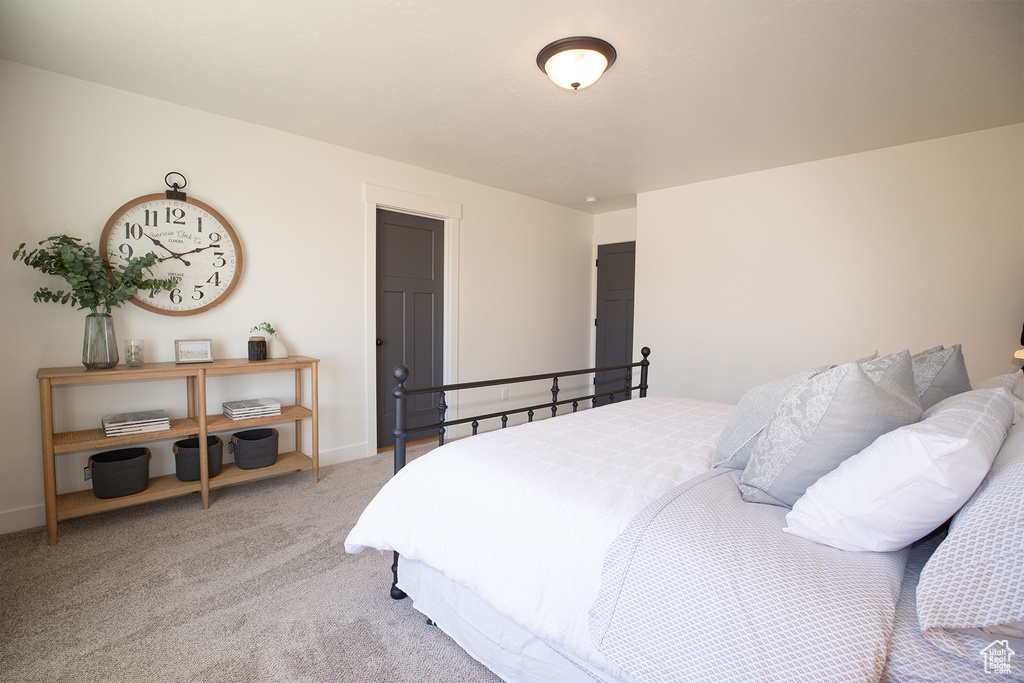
(91, 281)
(264, 327)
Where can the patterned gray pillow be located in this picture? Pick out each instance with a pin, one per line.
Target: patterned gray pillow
(971, 586)
(940, 373)
(826, 419)
(751, 415)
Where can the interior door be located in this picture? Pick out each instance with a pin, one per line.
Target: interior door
(410, 315)
(616, 269)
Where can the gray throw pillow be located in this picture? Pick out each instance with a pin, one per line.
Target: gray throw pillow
(940, 373)
(826, 419)
(750, 416)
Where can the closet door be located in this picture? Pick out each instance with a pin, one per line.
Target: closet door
(616, 268)
(410, 309)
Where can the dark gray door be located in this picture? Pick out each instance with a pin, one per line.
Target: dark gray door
(410, 292)
(616, 267)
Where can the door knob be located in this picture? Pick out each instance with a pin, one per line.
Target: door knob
(380, 342)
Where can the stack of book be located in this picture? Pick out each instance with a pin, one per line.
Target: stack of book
(250, 408)
(119, 424)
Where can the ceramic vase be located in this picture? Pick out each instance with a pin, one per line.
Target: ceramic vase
(276, 348)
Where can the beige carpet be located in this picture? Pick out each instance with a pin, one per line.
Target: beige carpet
(256, 588)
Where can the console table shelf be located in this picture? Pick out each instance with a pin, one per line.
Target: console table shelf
(198, 423)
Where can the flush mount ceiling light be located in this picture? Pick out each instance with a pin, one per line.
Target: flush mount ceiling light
(574, 63)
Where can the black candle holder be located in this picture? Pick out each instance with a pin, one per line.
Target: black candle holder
(257, 348)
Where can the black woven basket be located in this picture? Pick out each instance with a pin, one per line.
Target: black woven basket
(121, 472)
(186, 457)
(255, 448)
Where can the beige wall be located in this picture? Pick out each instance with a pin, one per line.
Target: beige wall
(72, 152)
(745, 278)
(614, 227)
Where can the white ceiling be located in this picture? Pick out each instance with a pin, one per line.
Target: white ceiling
(700, 90)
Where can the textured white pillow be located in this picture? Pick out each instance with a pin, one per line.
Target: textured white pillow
(1014, 383)
(910, 480)
(940, 373)
(752, 413)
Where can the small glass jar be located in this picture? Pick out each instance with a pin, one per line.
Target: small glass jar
(135, 352)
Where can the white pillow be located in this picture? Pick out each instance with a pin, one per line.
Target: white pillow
(1014, 383)
(910, 480)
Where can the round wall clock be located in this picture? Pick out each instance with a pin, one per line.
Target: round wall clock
(194, 245)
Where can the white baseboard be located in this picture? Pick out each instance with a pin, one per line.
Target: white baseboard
(22, 518)
(336, 456)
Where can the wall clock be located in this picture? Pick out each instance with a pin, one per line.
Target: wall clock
(195, 245)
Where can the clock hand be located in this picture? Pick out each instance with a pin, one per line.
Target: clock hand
(198, 250)
(158, 243)
(172, 254)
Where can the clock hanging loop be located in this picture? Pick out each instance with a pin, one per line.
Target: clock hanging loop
(175, 191)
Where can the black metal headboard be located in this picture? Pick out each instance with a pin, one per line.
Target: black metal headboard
(402, 393)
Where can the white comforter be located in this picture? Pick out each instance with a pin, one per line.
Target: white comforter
(704, 586)
(523, 516)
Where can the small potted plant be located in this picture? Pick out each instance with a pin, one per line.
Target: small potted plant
(91, 283)
(261, 347)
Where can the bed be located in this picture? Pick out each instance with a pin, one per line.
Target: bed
(862, 521)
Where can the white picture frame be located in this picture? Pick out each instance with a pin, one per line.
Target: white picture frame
(193, 351)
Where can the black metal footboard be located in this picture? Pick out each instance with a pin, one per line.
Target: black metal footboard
(402, 393)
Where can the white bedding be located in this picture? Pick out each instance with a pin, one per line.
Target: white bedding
(704, 586)
(461, 508)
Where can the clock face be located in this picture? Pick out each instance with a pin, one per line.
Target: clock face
(193, 243)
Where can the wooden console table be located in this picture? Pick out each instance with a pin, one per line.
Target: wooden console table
(198, 424)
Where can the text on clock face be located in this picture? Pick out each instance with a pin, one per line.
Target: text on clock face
(180, 237)
(133, 231)
(136, 231)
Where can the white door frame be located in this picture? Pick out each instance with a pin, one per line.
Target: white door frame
(377, 197)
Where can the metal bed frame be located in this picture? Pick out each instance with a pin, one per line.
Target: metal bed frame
(402, 394)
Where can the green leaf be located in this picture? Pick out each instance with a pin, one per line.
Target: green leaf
(86, 274)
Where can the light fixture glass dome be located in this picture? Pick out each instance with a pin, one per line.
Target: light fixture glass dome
(578, 62)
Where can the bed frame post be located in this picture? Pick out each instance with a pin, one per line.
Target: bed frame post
(442, 408)
(400, 432)
(401, 374)
(644, 364)
(554, 396)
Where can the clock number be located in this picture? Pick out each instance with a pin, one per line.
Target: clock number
(214, 237)
(214, 280)
(198, 289)
(175, 296)
(154, 215)
(199, 223)
(125, 249)
(176, 216)
(132, 231)
(219, 256)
